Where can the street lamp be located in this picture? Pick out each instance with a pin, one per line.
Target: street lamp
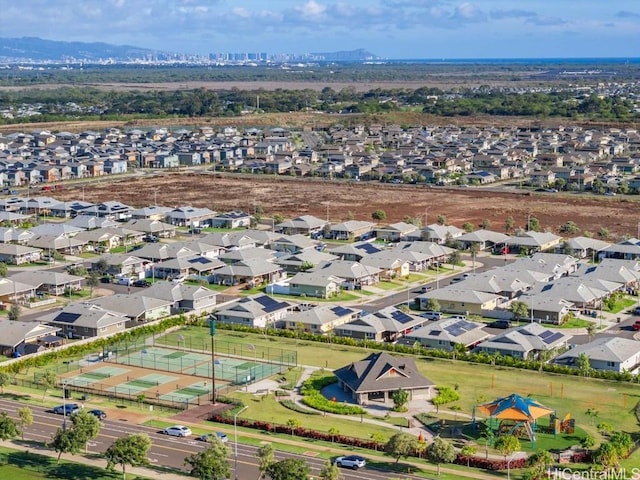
(64, 406)
(235, 432)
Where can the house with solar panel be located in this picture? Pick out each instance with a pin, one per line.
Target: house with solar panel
(355, 274)
(386, 325)
(446, 333)
(304, 225)
(352, 230)
(254, 311)
(84, 320)
(377, 377)
(528, 342)
(354, 252)
(322, 319)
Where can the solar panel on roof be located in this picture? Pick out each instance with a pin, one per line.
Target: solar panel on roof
(547, 287)
(269, 304)
(591, 269)
(454, 330)
(67, 317)
(553, 338)
(545, 334)
(401, 317)
(466, 325)
(435, 333)
(341, 311)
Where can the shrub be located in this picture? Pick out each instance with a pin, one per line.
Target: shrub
(291, 405)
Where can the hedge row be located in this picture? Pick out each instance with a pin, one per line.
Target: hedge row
(312, 397)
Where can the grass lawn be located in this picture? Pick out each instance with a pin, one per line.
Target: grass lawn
(211, 286)
(387, 285)
(19, 465)
(622, 304)
(575, 323)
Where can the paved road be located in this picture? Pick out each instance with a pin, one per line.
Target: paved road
(171, 451)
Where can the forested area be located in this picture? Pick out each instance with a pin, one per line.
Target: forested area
(69, 103)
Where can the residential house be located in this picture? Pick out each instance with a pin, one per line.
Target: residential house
(254, 311)
(608, 353)
(18, 254)
(387, 325)
(84, 320)
(49, 281)
(457, 299)
(309, 284)
(320, 320)
(352, 230)
(395, 232)
(303, 225)
(355, 274)
(20, 338)
(531, 341)
(231, 220)
(445, 334)
(137, 307)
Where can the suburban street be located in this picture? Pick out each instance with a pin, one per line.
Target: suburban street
(169, 451)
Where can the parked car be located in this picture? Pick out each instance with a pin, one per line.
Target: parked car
(432, 315)
(151, 239)
(179, 279)
(68, 408)
(105, 279)
(125, 281)
(426, 288)
(636, 326)
(207, 437)
(177, 431)
(352, 461)
(500, 324)
(458, 317)
(636, 311)
(141, 283)
(99, 414)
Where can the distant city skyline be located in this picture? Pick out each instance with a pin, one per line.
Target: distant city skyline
(393, 29)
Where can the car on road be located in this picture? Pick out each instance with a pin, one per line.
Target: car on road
(106, 279)
(504, 324)
(177, 431)
(636, 326)
(425, 288)
(99, 414)
(207, 437)
(141, 283)
(68, 408)
(352, 461)
(151, 239)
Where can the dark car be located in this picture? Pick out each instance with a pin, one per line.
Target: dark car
(105, 279)
(141, 283)
(67, 408)
(100, 414)
(151, 239)
(500, 324)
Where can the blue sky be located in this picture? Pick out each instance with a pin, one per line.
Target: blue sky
(387, 28)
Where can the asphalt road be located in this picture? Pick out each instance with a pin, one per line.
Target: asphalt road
(171, 451)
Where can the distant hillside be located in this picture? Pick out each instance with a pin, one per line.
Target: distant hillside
(38, 49)
(347, 56)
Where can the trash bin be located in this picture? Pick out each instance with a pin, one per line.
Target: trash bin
(67, 393)
(617, 319)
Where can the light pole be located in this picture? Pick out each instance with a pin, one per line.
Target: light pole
(235, 433)
(64, 406)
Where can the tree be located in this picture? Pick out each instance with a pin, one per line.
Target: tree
(377, 437)
(289, 469)
(454, 257)
(14, 312)
(467, 227)
(401, 445)
(211, 463)
(101, 266)
(8, 427)
(333, 431)
(474, 248)
(330, 471)
(520, 310)
(130, 450)
(442, 219)
(400, 399)
(92, 282)
(623, 443)
(468, 451)
(533, 224)
(440, 451)
(47, 381)
(606, 455)
(604, 232)
(509, 223)
(507, 445)
(486, 224)
(4, 380)
(584, 365)
(3, 269)
(587, 442)
(65, 441)
(540, 462)
(25, 418)
(591, 330)
(570, 228)
(293, 423)
(379, 215)
(85, 426)
(265, 458)
(433, 305)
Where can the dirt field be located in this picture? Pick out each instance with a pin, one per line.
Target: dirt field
(291, 197)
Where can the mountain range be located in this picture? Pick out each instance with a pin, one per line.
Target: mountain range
(38, 49)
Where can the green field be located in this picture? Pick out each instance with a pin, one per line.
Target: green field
(19, 465)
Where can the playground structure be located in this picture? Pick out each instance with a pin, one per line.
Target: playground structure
(513, 415)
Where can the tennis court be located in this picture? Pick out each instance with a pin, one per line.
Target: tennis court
(95, 376)
(162, 359)
(140, 384)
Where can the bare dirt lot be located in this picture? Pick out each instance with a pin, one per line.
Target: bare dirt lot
(291, 197)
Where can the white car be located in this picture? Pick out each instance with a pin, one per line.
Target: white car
(179, 279)
(352, 461)
(177, 431)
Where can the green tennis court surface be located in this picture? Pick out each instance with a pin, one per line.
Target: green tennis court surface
(95, 376)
